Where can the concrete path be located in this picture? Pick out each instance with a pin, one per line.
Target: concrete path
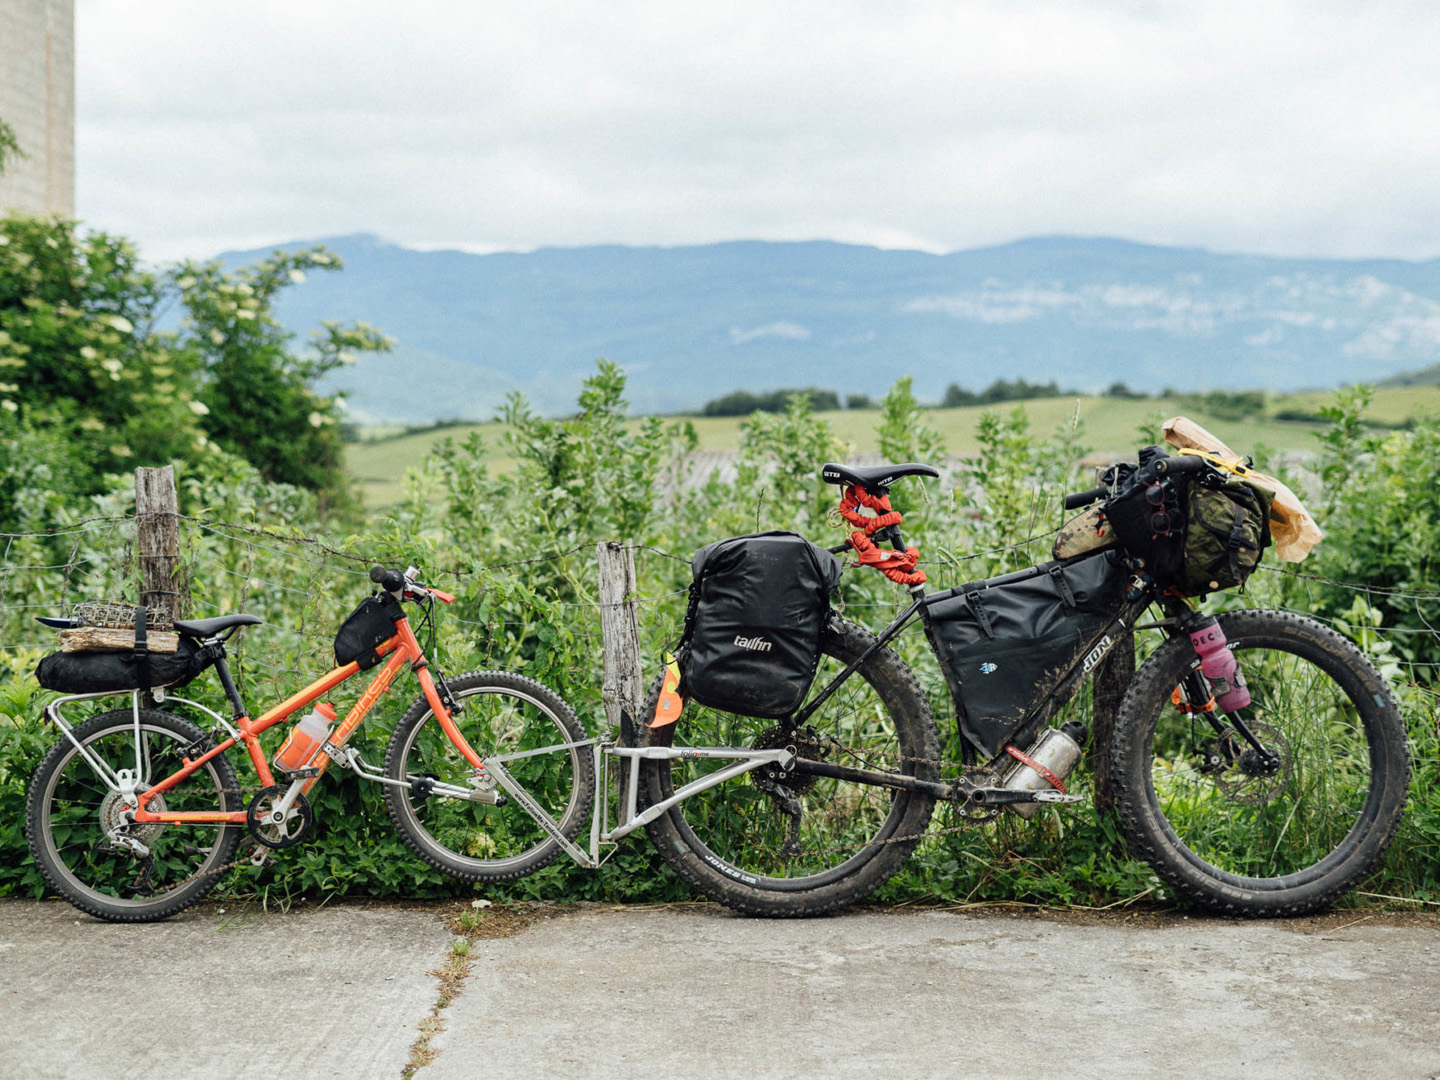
(335, 992)
(693, 991)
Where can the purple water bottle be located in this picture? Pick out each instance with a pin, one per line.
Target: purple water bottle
(1227, 682)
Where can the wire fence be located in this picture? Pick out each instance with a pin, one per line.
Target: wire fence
(510, 611)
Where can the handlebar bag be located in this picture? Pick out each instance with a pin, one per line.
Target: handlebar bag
(94, 672)
(758, 606)
(1193, 534)
(1006, 643)
(368, 626)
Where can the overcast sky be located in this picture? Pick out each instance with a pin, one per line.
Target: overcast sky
(1296, 128)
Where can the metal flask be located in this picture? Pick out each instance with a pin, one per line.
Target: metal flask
(1057, 751)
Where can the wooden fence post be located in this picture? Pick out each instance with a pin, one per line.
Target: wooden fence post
(165, 587)
(622, 687)
(1117, 672)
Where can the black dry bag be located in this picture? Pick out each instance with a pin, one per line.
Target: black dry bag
(758, 606)
(96, 672)
(1007, 642)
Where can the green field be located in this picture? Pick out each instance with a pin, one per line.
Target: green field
(1110, 424)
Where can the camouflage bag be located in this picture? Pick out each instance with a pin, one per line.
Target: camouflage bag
(1227, 528)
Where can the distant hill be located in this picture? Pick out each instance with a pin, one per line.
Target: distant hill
(692, 323)
(1426, 376)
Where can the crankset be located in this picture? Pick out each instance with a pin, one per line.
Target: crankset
(271, 826)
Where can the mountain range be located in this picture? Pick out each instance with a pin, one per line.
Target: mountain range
(692, 323)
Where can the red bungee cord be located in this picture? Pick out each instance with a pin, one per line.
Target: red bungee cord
(898, 567)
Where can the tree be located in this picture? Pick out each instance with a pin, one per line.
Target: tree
(90, 386)
(743, 402)
(257, 392)
(79, 361)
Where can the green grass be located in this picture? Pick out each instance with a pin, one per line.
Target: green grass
(1110, 425)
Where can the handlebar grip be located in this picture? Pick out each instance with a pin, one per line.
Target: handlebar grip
(1085, 498)
(389, 580)
(1182, 463)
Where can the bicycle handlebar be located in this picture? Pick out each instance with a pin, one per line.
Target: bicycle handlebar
(1085, 498)
(1165, 466)
(389, 580)
(406, 584)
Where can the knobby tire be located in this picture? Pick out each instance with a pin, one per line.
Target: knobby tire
(1243, 842)
(726, 842)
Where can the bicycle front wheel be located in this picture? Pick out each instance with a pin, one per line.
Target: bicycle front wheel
(741, 843)
(85, 850)
(1248, 834)
(501, 714)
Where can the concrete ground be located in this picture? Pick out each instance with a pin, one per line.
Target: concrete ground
(690, 990)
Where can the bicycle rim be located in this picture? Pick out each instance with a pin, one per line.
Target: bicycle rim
(740, 827)
(476, 839)
(73, 808)
(1277, 828)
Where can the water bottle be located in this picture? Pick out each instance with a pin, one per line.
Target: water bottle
(1227, 681)
(305, 738)
(1058, 752)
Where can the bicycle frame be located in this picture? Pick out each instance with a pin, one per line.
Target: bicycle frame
(401, 649)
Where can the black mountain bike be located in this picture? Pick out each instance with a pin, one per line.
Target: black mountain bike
(1274, 808)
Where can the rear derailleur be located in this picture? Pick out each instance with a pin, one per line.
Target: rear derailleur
(785, 786)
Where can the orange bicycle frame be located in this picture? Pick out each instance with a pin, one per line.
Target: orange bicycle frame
(404, 648)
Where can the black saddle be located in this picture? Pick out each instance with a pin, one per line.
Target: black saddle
(876, 479)
(203, 628)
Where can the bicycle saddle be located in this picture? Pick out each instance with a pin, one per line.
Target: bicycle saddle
(876, 479)
(202, 628)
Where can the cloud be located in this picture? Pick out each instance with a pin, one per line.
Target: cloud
(770, 330)
(1285, 126)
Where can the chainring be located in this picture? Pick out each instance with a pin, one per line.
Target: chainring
(282, 834)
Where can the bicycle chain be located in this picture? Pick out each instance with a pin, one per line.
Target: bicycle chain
(256, 848)
(984, 818)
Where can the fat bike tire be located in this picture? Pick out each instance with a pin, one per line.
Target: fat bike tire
(1257, 840)
(726, 842)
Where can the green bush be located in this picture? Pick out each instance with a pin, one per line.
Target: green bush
(519, 555)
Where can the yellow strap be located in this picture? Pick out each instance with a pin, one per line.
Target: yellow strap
(1222, 463)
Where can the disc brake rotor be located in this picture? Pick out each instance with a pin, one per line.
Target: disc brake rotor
(1251, 781)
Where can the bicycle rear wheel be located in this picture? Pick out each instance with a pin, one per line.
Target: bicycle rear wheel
(502, 714)
(71, 812)
(733, 842)
(1229, 830)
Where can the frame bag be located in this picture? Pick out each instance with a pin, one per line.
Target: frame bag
(1006, 643)
(758, 606)
(369, 625)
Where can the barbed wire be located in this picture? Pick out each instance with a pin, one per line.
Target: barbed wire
(324, 554)
(75, 527)
(1395, 593)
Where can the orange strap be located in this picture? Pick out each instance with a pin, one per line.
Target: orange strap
(898, 567)
(1025, 759)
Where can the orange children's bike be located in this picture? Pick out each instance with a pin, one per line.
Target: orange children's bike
(136, 813)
